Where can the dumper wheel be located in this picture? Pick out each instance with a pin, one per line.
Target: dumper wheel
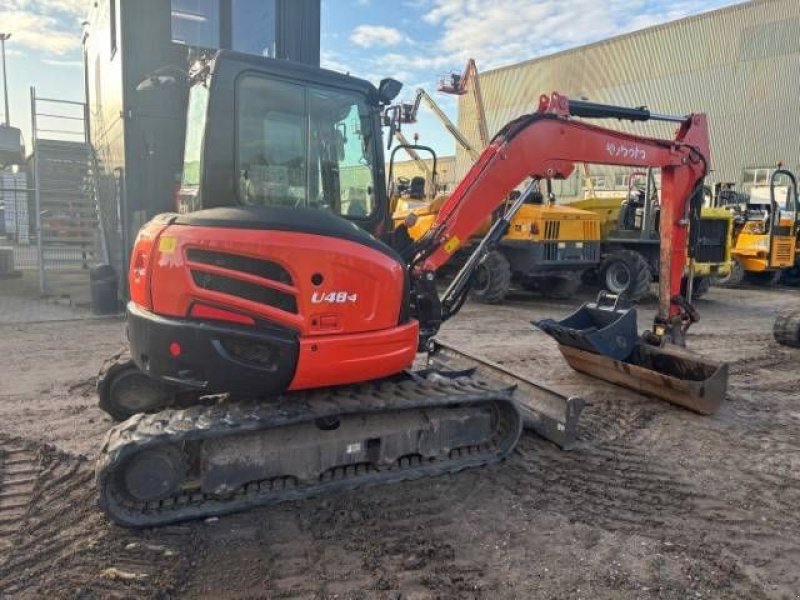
(764, 278)
(562, 287)
(626, 273)
(786, 329)
(732, 279)
(700, 287)
(492, 279)
(125, 391)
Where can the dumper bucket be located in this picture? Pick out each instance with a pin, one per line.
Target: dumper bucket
(670, 373)
(601, 327)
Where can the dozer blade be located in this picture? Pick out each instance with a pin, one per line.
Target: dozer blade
(203, 461)
(547, 412)
(598, 327)
(670, 373)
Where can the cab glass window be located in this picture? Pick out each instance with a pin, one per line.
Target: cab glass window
(303, 146)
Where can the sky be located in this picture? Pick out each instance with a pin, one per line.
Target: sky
(414, 41)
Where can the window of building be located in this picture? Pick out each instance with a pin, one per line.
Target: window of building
(253, 23)
(196, 23)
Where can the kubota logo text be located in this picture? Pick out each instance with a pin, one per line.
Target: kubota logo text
(333, 297)
(622, 151)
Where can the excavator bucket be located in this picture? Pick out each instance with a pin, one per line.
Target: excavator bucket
(600, 327)
(601, 340)
(670, 373)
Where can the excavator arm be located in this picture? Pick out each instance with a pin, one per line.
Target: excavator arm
(600, 339)
(548, 144)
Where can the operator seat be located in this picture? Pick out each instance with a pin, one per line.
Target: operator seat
(416, 190)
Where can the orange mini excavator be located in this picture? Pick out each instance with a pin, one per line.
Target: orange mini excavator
(274, 321)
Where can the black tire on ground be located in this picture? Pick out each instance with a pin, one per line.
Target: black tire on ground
(764, 278)
(734, 278)
(560, 287)
(626, 273)
(786, 329)
(124, 390)
(790, 277)
(591, 277)
(700, 287)
(492, 279)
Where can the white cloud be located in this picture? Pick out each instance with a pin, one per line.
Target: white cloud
(62, 63)
(39, 32)
(78, 8)
(333, 61)
(367, 36)
(507, 31)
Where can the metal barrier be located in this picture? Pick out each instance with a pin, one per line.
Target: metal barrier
(67, 234)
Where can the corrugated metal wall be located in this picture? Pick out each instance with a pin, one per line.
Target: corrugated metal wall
(741, 65)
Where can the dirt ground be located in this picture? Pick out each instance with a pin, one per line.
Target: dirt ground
(656, 502)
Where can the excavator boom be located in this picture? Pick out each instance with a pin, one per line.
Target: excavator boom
(548, 144)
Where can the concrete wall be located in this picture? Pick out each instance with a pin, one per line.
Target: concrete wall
(741, 65)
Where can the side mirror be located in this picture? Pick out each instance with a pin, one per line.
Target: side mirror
(155, 82)
(164, 77)
(388, 89)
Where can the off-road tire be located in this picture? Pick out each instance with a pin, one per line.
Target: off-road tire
(786, 329)
(699, 288)
(639, 275)
(734, 278)
(560, 288)
(767, 279)
(492, 279)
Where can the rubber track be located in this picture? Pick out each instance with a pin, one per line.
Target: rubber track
(119, 359)
(203, 423)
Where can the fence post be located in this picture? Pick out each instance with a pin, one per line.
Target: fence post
(36, 195)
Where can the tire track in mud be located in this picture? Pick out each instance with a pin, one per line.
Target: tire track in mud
(623, 486)
(413, 539)
(62, 545)
(613, 413)
(353, 544)
(19, 468)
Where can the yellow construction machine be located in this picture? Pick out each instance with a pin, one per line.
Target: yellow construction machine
(629, 221)
(765, 235)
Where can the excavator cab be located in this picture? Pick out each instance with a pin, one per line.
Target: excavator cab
(285, 138)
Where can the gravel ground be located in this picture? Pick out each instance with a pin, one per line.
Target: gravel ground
(656, 502)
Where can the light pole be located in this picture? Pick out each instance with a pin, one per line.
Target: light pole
(3, 38)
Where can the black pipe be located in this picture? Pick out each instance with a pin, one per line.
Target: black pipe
(593, 110)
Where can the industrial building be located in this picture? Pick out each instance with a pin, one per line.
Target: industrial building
(445, 171)
(740, 65)
(135, 58)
